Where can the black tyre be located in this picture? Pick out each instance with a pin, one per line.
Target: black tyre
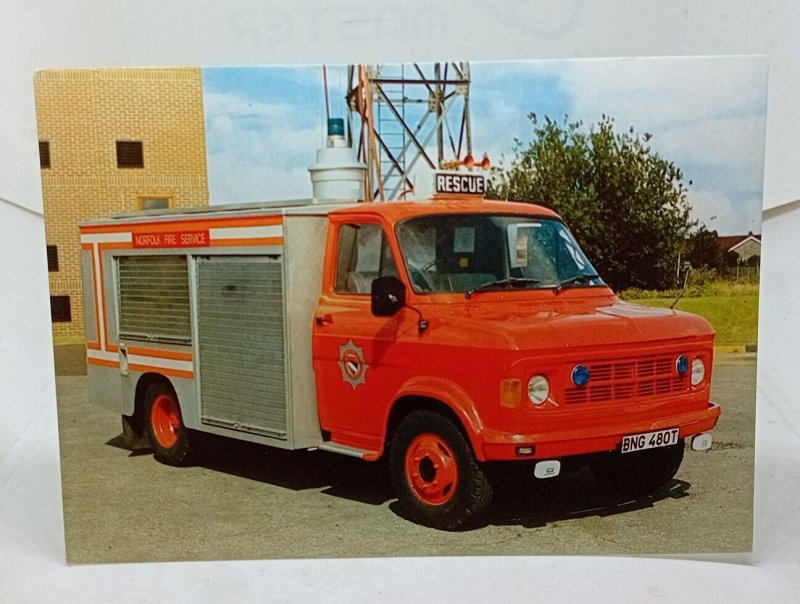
(435, 474)
(168, 437)
(640, 473)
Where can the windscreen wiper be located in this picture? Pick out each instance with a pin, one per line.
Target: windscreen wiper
(506, 281)
(574, 281)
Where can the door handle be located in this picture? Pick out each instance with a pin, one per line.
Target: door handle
(325, 319)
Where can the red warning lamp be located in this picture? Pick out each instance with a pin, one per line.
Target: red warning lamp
(468, 162)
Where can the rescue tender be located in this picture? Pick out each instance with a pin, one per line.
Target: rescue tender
(444, 334)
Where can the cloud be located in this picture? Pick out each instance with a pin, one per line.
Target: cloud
(655, 93)
(235, 106)
(707, 115)
(703, 112)
(263, 126)
(682, 101)
(494, 128)
(261, 183)
(719, 213)
(259, 150)
(731, 146)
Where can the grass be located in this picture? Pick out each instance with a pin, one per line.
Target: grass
(733, 316)
(697, 288)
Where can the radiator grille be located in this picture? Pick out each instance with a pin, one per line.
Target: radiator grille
(626, 380)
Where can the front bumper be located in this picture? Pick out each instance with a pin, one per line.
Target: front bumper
(499, 446)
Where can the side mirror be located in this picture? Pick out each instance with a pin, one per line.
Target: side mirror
(388, 296)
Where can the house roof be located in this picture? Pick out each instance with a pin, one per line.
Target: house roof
(729, 243)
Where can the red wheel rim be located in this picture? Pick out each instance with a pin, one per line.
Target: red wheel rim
(165, 418)
(431, 469)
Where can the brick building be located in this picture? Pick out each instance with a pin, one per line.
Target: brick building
(112, 140)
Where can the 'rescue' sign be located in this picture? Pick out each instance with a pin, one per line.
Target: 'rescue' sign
(462, 184)
(172, 239)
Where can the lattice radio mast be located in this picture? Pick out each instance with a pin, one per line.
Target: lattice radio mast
(408, 116)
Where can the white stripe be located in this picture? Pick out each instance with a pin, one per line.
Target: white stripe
(106, 238)
(102, 355)
(136, 359)
(275, 230)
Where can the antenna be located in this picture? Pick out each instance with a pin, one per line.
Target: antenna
(687, 268)
(325, 86)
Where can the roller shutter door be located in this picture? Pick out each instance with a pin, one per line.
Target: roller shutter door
(241, 343)
(154, 298)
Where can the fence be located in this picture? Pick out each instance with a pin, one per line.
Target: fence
(743, 274)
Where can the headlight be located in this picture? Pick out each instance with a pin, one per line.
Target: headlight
(538, 389)
(698, 371)
(682, 364)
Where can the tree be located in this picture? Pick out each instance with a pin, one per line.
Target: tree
(626, 205)
(703, 250)
(754, 260)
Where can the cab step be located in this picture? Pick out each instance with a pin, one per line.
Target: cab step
(345, 450)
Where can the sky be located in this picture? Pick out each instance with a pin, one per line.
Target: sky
(706, 115)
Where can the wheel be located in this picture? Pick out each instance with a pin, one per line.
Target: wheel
(435, 474)
(168, 437)
(640, 473)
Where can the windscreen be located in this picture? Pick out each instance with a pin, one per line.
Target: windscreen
(465, 253)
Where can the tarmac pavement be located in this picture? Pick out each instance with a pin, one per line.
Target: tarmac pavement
(249, 501)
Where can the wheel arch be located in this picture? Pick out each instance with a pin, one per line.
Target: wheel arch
(137, 420)
(440, 396)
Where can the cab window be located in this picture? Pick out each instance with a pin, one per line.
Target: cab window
(462, 253)
(363, 256)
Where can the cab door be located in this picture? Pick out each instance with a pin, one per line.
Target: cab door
(353, 349)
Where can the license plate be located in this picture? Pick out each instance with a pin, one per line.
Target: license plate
(650, 440)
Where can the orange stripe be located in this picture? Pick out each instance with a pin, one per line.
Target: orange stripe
(86, 246)
(103, 301)
(162, 370)
(177, 225)
(117, 245)
(162, 354)
(93, 345)
(103, 362)
(247, 241)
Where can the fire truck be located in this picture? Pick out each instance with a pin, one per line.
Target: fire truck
(445, 335)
